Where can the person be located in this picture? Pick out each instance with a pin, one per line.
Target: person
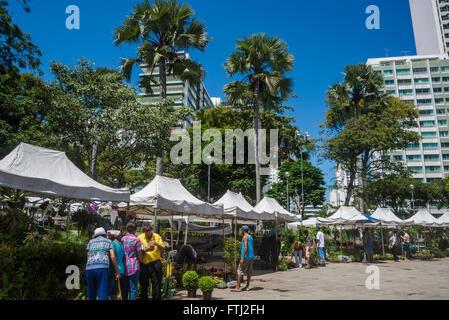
(113, 235)
(320, 243)
(246, 260)
(99, 250)
(151, 265)
(297, 252)
(368, 244)
(406, 245)
(309, 248)
(186, 253)
(133, 254)
(393, 245)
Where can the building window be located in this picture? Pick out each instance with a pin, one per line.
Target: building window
(415, 169)
(389, 82)
(445, 69)
(388, 72)
(428, 134)
(413, 157)
(428, 123)
(439, 100)
(441, 111)
(423, 101)
(426, 112)
(442, 123)
(422, 91)
(445, 156)
(434, 79)
(397, 158)
(402, 71)
(444, 144)
(444, 133)
(437, 90)
(434, 69)
(445, 79)
(430, 145)
(404, 81)
(431, 157)
(417, 70)
(413, 146)
(433, 169)
(404, 92)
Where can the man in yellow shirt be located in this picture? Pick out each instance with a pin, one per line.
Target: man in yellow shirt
(151, 265)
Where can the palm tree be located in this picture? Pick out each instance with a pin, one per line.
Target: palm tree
(263, 61)
(161, 31)
(361, 83)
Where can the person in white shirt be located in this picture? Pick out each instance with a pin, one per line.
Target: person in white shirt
(393, 242)
(320, 244)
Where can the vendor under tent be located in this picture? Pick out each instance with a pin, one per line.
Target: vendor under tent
(388, 218)
(270, 210)
(344, 215)
(49, 172)
(444, 220)
(423, 218)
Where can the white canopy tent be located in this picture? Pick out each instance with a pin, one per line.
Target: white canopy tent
(423, 218)
(49, 172)
(167, 197)
(344, 215)
(388, 218)
(270, 209)
(444, 220)
(311, 222)
(236, 206)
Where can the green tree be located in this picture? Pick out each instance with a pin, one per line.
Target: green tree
(96, 117)
(161, 31)
(363, 124)
(20, 116)
(235, 177)
(314, 190)
(262, 61)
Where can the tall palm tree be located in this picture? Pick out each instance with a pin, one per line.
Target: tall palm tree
(361, 83)
(263, 61)
(161, 30)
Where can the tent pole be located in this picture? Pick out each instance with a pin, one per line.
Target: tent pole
(187, 230)
(382, 236)
(155, 221)
(224, 262)
(276, 240)
(171, 233)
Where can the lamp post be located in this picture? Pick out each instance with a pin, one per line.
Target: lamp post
(413, 200)
(302, 178)
(209, 162)
(287, 174)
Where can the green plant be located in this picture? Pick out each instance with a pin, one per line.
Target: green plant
(190, 280)
(206, 284)
(231, 248)
(282, 266)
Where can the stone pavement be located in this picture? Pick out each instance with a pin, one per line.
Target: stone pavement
(414, 279)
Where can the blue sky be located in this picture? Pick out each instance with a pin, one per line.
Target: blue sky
(324, 36)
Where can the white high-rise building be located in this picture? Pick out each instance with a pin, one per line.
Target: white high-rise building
(430, 26)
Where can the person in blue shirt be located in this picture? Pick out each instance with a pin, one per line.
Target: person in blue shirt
(246, 260)
(114, 235)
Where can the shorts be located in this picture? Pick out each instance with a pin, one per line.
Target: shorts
(245, 268)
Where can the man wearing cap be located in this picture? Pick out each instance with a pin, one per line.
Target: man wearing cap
(133, 254)
(99, 249)
(246, 260)
(151, 265)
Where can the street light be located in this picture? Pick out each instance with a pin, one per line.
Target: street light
(302, 176)
(287, 174)
(209, 162)
(413, 200)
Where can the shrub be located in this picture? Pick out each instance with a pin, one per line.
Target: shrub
(231, 249)
(282, 266)
(206, 284)
(190, 280)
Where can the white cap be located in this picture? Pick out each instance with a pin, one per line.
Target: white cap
(99, 232)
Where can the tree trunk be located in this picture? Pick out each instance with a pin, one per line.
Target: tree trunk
(93, 160)
(350, 188)
(163, 94)
(257, 126)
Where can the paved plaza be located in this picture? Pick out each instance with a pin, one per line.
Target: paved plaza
(414, 279)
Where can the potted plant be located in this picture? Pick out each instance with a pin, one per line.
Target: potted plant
(207, 284)
(190, 282)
